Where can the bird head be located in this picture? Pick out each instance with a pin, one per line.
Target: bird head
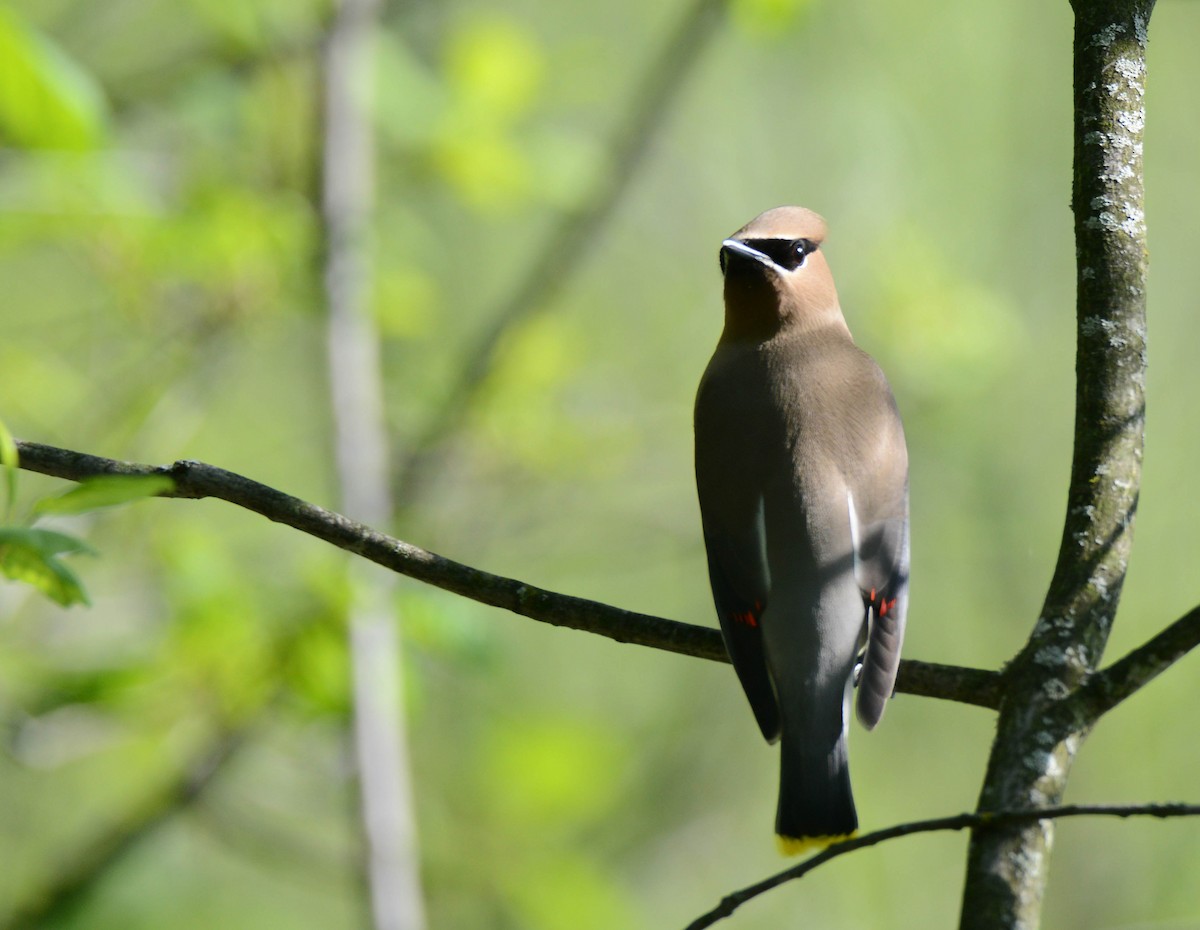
(776, 275)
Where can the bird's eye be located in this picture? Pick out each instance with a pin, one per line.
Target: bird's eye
(802, 248)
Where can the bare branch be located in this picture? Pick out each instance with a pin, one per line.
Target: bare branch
(568, 241)
(194, 480)
(977, 686)
(1110, 687)
(980, 821)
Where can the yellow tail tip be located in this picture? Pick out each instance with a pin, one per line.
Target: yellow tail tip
(798, 845)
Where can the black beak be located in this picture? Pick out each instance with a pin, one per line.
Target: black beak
(735, 252)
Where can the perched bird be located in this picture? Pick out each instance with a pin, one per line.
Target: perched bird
(802, 474)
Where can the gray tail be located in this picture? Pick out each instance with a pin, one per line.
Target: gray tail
(816, 805)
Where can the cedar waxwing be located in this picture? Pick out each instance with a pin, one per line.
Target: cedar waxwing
(802, 474)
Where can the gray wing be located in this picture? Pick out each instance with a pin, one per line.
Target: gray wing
(881, 565)
(738, 576)
(728, 482)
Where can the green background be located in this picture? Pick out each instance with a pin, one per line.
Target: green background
(159, 300)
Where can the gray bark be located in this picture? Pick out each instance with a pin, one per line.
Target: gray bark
(1044, 717)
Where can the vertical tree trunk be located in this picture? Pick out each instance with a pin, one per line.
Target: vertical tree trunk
(347, 168)
(1041, 725)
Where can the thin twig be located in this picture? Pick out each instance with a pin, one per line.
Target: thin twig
(732, 902)
(195, 480)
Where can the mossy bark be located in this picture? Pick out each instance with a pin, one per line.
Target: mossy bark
(1043, 716)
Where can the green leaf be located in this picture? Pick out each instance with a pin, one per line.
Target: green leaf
(47, 100)
(47, 542)
(9, 460)
(8, 447)
(105, 491)
(30, 556)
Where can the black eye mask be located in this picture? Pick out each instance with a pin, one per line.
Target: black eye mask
(786, 253)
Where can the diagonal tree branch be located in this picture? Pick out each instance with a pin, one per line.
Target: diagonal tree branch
(567, 243)
(195, 480)
(1106, 689)
(978, 821)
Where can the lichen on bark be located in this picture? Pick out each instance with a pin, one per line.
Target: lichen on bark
(1044, 717)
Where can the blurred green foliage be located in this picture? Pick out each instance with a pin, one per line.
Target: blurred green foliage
(46, 99)
(158, 257)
